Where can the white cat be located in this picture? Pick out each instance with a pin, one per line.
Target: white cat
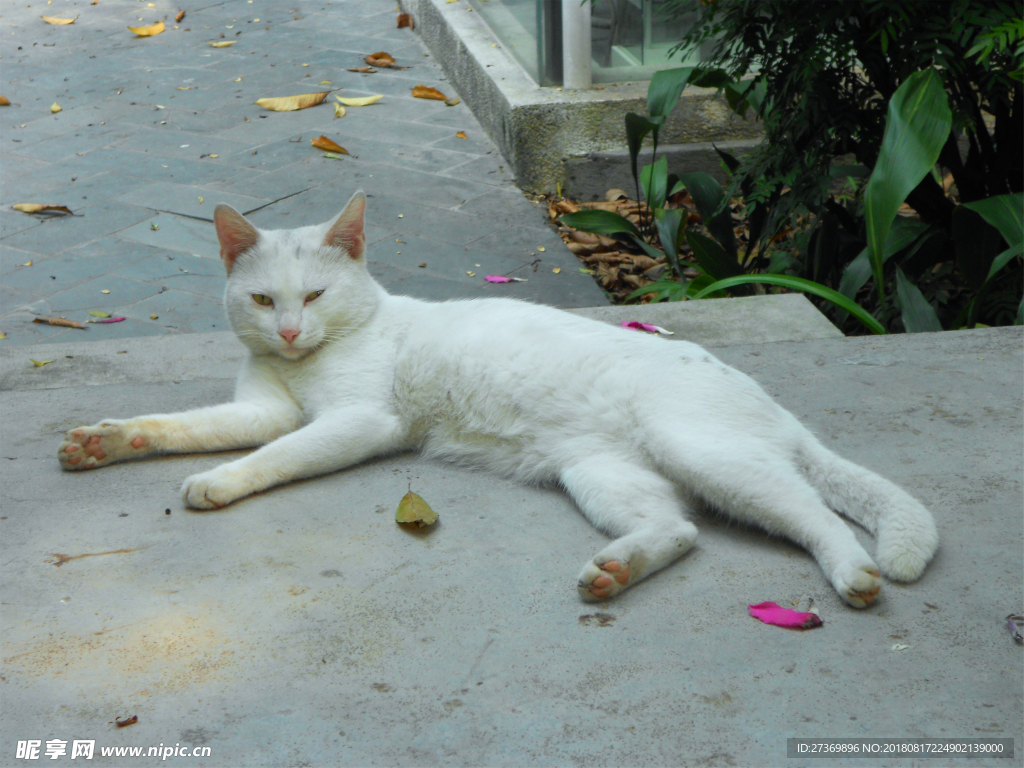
(635, 428)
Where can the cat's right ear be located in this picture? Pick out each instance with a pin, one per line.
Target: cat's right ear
(236, 235)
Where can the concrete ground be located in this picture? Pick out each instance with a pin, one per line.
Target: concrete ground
(302, 626)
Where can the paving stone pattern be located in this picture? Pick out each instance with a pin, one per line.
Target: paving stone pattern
(154, 132)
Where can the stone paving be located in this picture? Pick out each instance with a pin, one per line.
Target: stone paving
(154, 132)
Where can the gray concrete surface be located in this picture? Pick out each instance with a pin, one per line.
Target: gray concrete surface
(132, 154)
(303, 627)
(545, 133)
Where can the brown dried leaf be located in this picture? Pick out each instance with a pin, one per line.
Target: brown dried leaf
(425, 92)
(127, 721)
(567, 206)
(461, 135)
(40, 208)
(579, 248)
(364, 70)
(57, 20)
(153, 29)
(453, 102)
(585, 237)
(383, 60)
(180, 16)
(293, 103)
(405, 20)
(615, 194)
(322, 142)
(4, 102)
(58, 321)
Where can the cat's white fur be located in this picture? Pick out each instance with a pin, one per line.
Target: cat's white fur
(637, 429)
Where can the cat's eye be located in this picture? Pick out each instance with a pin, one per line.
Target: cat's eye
(263, 300)
(312, 296)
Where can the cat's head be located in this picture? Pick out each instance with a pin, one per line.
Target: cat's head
(290, 291)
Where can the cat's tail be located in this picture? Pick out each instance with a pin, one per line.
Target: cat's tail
(904, 528)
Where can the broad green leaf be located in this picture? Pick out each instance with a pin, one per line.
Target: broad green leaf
(699, 283)
(1005, 213)
(711, 257)
(916, 128)
(902, 234)
(654, 180)
(599, 222)
(647, 248)
(800, 284)
(664, 289)
(918, 315)
(709, 198)
(668, 223)
(665, 89)
(637, 128)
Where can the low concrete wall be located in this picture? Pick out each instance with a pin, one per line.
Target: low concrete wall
(546, 134)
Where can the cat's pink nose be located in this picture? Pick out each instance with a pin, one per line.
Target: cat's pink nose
(288, 335)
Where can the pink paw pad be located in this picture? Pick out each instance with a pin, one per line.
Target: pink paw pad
(138, 442)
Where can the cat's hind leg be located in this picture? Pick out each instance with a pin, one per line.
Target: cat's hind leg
(639, 507)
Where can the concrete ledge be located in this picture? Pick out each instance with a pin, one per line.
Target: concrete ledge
(539, 130)
(204, 356)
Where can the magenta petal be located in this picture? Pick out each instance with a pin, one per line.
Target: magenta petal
(498, 279)
(636, 325)
(111, 320)
(770, 613)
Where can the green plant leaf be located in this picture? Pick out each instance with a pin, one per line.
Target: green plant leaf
(665, 289)
(668, 223)
(600, 223)
(665, 89)
(712, 257)
(647, 248)
(709, 197)
(637, 128)
(976, 243)
(1006, 214)
(654, 180)
(918, 315)
(799, 284)
(916, 128)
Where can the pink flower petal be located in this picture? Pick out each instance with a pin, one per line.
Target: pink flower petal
(108, 320)
(503, 279)
(636, 325)
(770, 613)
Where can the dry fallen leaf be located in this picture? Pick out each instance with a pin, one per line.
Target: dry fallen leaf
(105, 290)
(362, 101)
(413, 509)
(322, 142)
(154, 317)
(405, 20)
(3, 335)
(461, 135)
(153, 29)
(221, 43)
(40, 363)
(56, 20)
(293, 103)
(364, 70)
(333, 156)
(127, 721)
(58, 321)
(180, 16)
(55, 108)
(339, 111)
(452, 102)
(4, 102)
(40, 208)
(325, 82)
(382, 59)
(96, 313)
(424, 92)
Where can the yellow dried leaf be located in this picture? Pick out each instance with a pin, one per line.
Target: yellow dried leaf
(322, 142)
(4, 102)
(452, 102)
(424, 92)
(153, 317)
(40, 363)
(57, 20)
(293, 103)
(362, 101)
(39, 208)
(556, 270)
(461, 135)
(200, 198)
(339, 111)
(105, 290)
(96, 313)
(324, 82)
(3, 335)
(413, 509)
(153, 29)
(55, 108)
(221, 43)
(364, 70)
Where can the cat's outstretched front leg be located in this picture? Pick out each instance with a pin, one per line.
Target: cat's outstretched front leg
(638, 506)
(333, 441)
(262, 412)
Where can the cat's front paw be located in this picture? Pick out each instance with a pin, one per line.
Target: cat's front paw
(101, 444)
(214, 489)
(857, 583)
(604, 580)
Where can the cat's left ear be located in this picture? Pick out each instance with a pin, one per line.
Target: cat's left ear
(346, 232)
(235, 233)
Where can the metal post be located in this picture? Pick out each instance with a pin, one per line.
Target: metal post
(576, 44)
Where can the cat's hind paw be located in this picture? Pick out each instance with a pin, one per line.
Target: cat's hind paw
(214, 489)
(101, 444)
(600, 581)
(857, 585)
